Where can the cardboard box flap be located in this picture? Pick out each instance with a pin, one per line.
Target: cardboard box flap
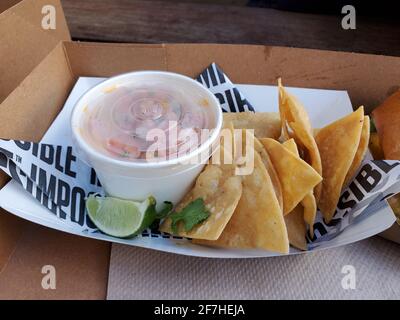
(24, 45)
(24, 40)
(7, 4)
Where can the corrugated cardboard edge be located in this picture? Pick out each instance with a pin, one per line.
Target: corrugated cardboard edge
(45, 89)
(7, 4)
(24, 42)
(24, 45)
(253, 64)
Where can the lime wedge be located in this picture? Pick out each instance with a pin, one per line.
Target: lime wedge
(121, 218)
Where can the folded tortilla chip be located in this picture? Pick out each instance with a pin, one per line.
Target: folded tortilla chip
(309, 203)
(291, 146)
(220, 190)
(258, 220)
(240, 139)
(303, 213)
(259, 148)
(338, 144)
(296, 228)
(294, 116)
(265, 124)
(361, 151)
(310, 211)
(297, 177)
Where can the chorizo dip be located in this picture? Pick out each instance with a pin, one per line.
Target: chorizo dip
(139, 122)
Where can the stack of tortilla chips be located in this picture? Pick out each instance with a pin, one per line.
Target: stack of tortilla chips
(295, 170)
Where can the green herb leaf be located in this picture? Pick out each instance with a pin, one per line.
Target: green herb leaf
(194, 213)
(168, 206)
(165, 210)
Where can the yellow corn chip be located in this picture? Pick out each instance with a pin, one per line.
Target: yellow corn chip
(338, 144)
(257, 221)
(361, 151)
(309, 204)
(259, 148)
(310, 211)
(297, 177)
(265, 124)
(294, 116)
(291, 146)
(240, 138)
(296, 228)
(220, 190)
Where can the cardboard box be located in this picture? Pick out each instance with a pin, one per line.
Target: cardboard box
(39, 68)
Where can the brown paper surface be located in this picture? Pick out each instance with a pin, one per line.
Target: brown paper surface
(24, 43)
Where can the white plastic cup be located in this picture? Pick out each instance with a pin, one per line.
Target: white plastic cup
(166, 180)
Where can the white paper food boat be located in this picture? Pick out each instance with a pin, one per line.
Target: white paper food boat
(372, 216)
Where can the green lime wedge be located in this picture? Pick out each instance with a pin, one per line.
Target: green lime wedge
(121, 218)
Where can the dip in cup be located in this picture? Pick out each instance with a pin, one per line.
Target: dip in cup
(146, 133)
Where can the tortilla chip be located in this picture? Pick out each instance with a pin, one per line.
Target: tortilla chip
(296, 228)
(227, 142)
(310, 211)
(259, 148)
(257, 221)
(309, 203)
(294, 116)
(240, 138)
(265, 124)
(338, 144)
(221, 190)
(301, 214)
(291, 146)
(297, 177)
(361, 151)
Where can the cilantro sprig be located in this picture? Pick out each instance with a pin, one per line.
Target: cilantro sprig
(158, 216)
(165, 210)
(191, 215)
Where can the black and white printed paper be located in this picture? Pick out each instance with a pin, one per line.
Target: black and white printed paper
(228, 95)
(54, 175)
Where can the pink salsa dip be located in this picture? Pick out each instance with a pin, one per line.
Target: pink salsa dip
(127, 122)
